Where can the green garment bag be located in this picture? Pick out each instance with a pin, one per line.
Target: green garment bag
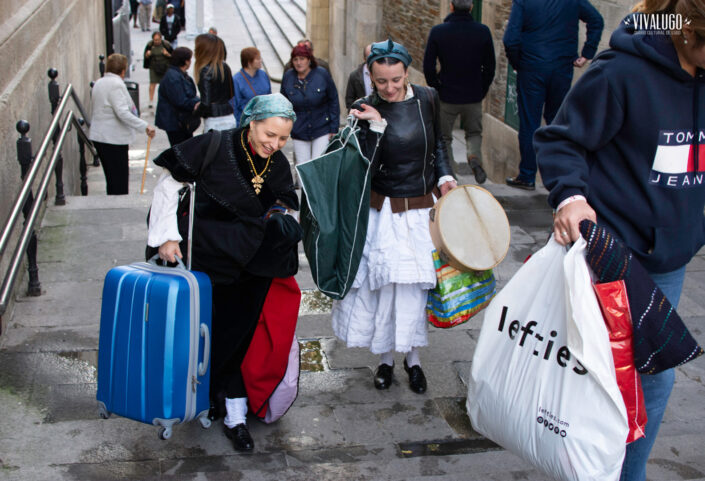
(335, 208)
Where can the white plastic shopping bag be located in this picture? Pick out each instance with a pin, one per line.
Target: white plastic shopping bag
(543, 383)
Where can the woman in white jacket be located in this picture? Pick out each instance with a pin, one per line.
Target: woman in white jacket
(114, 124)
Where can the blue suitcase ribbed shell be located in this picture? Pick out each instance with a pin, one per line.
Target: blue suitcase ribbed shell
(154, 336)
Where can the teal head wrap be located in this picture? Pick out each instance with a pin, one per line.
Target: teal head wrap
(265, 106)
(387, 48)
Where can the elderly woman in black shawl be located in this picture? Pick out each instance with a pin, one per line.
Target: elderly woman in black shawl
(242, 236)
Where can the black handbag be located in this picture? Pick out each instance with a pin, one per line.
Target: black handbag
(189, 122)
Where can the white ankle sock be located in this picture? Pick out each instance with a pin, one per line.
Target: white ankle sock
(412, 357)
(387, 358)
(237, 411)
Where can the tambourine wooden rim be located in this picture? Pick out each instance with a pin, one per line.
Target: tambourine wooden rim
(440, 241)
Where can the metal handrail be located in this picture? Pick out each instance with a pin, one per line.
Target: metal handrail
(26, 190)
(16, 259)
(29, 180)
(82, 134)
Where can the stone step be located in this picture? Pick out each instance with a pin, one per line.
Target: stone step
(283, 22)
(274, 33)
(297, 16)
(300, 4)
(271, 62)
(274, 27)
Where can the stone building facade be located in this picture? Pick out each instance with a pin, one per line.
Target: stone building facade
(351, 24)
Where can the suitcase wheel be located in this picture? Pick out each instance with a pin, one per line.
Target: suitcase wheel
(164, 433)
(205, 422)
(103, 412)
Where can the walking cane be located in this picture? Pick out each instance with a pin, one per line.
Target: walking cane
(146, 161)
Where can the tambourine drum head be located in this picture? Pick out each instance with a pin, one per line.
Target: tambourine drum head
(470, 229)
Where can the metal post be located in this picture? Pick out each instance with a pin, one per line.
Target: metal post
(82, 163)
(54, 97)
(108, 14)
(101, 64)
(96, 162)
(24, 157)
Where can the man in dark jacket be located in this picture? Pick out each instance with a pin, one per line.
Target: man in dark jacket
(359, 82)
(541, 43)
(170, 25)
(466, 53)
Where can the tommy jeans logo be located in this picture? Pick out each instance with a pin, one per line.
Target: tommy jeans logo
(561, 355)
(674, 162)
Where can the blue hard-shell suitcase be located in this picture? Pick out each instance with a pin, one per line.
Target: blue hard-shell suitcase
(154, 347)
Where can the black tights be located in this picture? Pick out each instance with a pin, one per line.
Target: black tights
(236, 310)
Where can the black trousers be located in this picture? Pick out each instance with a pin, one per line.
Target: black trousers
(236, 310)
(177, 136)
(114, 158)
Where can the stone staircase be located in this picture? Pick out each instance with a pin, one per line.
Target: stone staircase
(274, 26)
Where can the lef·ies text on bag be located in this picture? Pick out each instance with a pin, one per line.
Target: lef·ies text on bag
(562, 355)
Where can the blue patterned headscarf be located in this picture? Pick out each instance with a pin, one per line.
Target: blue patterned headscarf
(387, 48)
(265, 106)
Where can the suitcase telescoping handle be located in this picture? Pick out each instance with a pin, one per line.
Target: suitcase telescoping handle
(206, 335)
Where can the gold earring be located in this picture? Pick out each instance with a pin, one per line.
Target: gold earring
(685, 41)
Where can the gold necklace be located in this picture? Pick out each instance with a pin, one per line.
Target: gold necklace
(258, 179)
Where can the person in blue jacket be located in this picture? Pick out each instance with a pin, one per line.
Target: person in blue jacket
(250, 81)
(627, 150)
(311, 90)
(541, 43)
(177, 99)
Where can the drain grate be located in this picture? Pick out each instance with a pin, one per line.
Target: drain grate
(311, 355)
(446, 447)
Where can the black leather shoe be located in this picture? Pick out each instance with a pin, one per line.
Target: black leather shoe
(417, 379)
(383, 376)
(520, 184)
(477, 170)
(240, 436)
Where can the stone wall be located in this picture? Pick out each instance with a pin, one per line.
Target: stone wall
(408, 22)
(36, 35)
(318, 26)
(354, 24)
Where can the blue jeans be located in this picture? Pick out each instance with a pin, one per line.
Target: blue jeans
(657, 389)
(538, 91)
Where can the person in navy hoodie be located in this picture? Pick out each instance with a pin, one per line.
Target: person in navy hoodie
(311, 90)
(626, 150)
(541, 43)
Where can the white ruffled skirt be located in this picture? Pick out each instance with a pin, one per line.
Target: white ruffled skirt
(386, 307)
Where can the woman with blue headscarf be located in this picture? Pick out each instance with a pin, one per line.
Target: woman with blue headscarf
(400, 133)
(242, 236)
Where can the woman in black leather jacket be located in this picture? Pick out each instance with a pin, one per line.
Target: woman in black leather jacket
(215, 83)
(400, 133)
